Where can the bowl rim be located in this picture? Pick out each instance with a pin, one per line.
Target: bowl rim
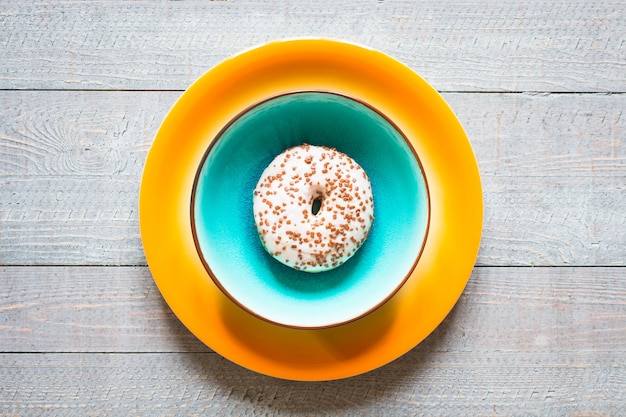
(196, 180)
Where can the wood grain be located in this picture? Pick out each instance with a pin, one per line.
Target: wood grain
(552, 311)
(109, 133)
(553, 169)
(420, 383)
(521, 341)
(87, 309)
(83, 328)
(61, 134)
(474, 45)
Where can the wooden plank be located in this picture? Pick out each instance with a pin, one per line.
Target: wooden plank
(476, 45)
(545, 135)
(553, 170)
(95, 309)
(61, 134)
(421, 383)
(109, 133)
(527, 311)
(554, 221)
(70, 220)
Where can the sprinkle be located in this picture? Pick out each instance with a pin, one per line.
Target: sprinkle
(316, 242)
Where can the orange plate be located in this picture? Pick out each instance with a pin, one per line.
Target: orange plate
(448, 162)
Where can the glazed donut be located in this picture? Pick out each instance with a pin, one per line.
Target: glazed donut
(313, 208)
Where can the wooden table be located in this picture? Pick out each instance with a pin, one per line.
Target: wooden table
(541, 327)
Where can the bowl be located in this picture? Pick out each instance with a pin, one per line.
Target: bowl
(222, 219)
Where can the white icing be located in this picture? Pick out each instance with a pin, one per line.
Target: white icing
(283, 205)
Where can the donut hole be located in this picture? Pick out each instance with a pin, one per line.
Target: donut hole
(318, 192)
(316, 205)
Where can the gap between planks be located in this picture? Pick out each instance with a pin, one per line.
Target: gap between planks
(442, 91)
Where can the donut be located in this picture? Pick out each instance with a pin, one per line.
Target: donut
(313, 208)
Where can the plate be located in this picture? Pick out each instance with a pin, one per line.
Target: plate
(455, 202)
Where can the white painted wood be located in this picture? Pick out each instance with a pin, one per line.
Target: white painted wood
(476, 45)
(584, 383)
(553, 170)
(98, 339)
(87, 309)
(554, 312)
(109, 133)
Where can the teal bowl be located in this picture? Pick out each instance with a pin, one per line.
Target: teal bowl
(223, 223)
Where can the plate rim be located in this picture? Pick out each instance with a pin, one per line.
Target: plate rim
(342, 351)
